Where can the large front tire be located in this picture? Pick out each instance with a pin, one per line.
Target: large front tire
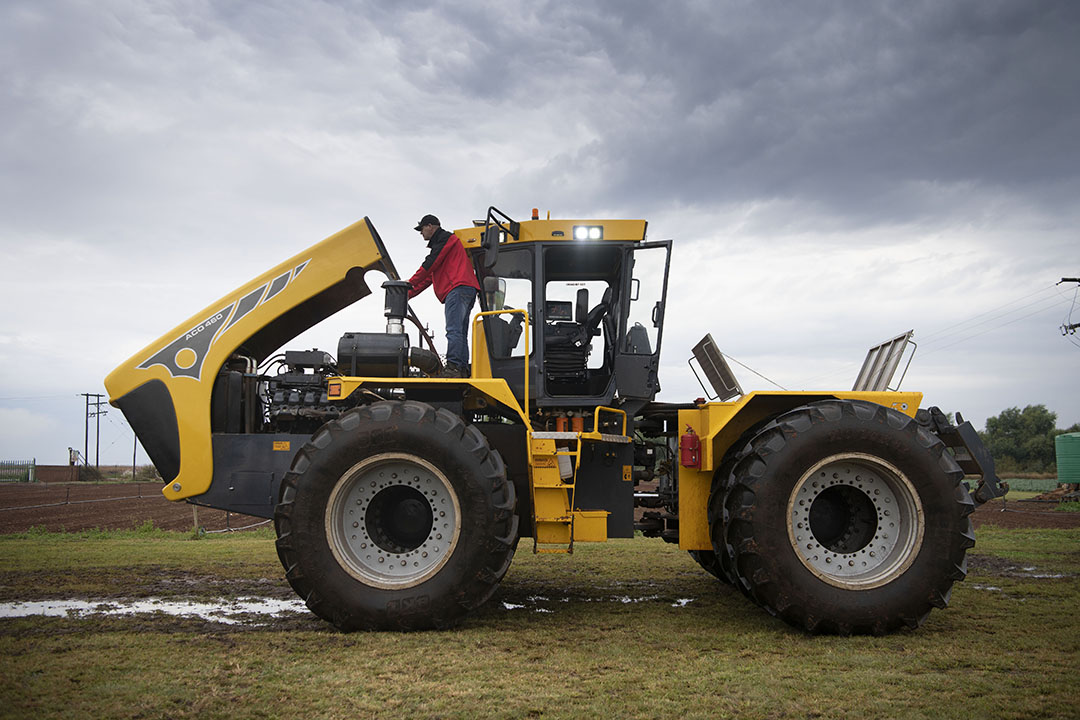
(846, 516)
(396, 516)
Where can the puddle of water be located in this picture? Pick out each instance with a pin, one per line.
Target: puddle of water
(229, 612)
(531, 602)
(238, 611)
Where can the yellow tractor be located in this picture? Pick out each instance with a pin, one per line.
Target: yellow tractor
(399, 497)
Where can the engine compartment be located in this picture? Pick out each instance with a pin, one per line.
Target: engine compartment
(288, 393)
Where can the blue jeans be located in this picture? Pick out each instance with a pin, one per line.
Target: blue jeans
(458, 307)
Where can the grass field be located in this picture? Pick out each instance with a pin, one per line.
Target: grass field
(630, 628)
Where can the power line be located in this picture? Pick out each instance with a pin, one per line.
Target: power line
(36, 397)
(948, 328)
(938, 348)
(947, 337)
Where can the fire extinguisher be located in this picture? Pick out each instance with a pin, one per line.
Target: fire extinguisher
(690, 449)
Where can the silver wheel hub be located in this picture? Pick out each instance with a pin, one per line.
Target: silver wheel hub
(392, 520)
(855, 521)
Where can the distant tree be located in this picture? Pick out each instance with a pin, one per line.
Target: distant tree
(1023, 440)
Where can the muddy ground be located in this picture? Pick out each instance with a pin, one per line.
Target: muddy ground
(85, 506)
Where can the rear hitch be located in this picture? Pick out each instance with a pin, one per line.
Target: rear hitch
(970, 453)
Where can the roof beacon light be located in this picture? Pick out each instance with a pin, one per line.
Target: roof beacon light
(536, 213)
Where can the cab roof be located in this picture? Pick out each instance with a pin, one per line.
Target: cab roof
(563, 231)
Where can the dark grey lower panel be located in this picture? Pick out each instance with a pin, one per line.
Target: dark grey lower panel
(248, 469)
(601, 485)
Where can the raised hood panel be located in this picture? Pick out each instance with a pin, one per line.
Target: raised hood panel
(256, 320)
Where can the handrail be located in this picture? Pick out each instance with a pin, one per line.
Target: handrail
(514, 311)
(596, 418)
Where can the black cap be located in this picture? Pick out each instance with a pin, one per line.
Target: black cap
(427, 220)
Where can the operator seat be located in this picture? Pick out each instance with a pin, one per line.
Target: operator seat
(591, 326)
(567, 345)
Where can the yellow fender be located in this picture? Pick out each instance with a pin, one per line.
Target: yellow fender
(719, 425)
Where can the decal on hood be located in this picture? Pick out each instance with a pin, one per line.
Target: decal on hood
(184, 356)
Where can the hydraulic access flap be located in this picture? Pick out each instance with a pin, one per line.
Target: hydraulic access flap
(165, 389)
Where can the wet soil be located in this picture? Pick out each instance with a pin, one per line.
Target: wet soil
(1024, 514)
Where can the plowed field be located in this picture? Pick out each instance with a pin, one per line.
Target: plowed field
(85, 506)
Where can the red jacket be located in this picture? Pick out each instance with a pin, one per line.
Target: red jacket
(447, 266)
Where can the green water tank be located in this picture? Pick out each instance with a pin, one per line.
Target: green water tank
(1067, 447)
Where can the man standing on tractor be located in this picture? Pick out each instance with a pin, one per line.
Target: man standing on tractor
(448, 268)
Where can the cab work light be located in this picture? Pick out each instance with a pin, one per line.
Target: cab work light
(588, 232)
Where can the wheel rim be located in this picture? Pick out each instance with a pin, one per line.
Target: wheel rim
(393, 520)
(855, 521)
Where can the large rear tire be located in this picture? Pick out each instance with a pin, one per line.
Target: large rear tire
(848, 517)
(709, 563)
(396, 516)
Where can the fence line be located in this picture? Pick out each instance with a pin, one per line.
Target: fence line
(69, 501)
(228, 529)
(18, 470)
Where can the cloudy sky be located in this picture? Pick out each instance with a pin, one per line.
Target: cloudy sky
(832, 174)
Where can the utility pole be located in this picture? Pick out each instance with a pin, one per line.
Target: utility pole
(96, 414)
(86, 426)
(1068, 328)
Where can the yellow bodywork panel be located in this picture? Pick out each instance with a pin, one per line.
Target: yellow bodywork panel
(494, 390)
(721, 424)
(590, 525)
(255, 320)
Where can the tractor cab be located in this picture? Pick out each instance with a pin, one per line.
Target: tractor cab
(580, 303)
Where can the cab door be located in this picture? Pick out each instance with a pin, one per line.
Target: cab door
(637, 362)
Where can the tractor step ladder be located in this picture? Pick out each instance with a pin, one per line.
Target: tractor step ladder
(553, 489)
(555, 460)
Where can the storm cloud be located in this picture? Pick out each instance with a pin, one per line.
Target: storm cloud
(832, 173)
